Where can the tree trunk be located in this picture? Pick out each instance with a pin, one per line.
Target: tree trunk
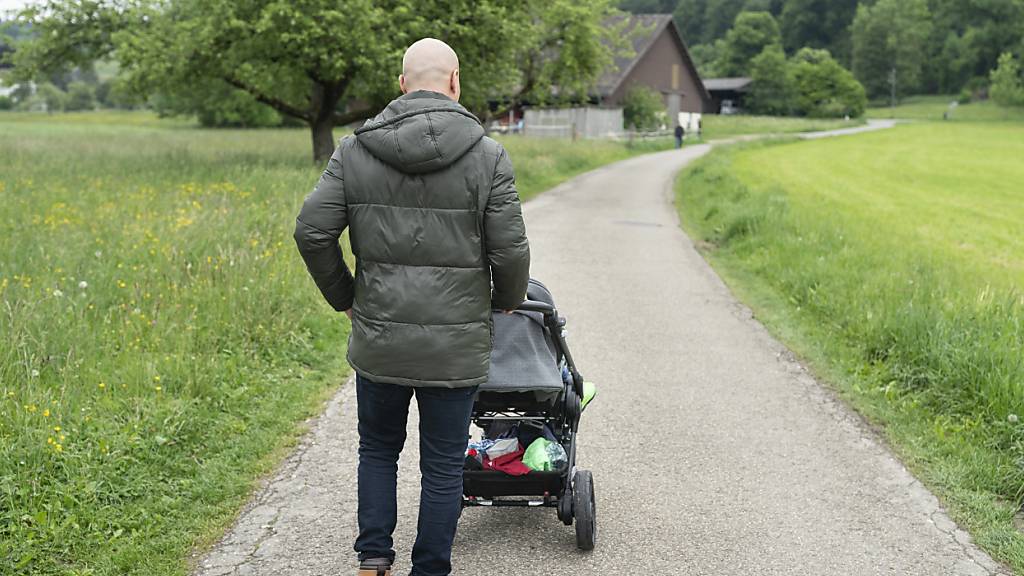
(322, 103)
(323, 139)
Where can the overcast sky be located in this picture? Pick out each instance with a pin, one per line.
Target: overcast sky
(6, 5)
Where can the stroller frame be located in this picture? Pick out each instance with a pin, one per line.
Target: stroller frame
(570, 491)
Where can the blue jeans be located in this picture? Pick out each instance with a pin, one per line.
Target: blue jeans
(444, 431)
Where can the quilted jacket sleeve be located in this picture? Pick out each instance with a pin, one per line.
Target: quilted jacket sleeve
(508, 252)
(323, 218)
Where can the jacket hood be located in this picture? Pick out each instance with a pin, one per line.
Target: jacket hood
(420, 132)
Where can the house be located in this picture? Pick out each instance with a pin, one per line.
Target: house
(727, 94)
(661, 62)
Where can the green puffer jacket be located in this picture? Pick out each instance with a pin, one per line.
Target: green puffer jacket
(437, 230)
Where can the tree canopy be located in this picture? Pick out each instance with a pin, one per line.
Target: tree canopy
(889, 45)
(750, 34)
(960, 47)
(324, 62)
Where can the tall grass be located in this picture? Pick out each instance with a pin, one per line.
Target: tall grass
(159, 337)
(924, 341)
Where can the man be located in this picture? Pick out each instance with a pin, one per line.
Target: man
(679, 133)
(437, 230)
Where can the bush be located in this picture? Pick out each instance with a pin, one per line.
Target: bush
(824, 88)
(81, 96)
(1007, 87)
(6, 103)
(51, 97)
(642, 108)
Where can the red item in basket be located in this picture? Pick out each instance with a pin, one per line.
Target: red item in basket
(511, 463)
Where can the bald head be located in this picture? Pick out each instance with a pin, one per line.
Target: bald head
(430, 64)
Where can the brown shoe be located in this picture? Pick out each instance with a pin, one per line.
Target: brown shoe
(375, 567)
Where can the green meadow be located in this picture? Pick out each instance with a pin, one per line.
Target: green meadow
(893, 262)
(162, 343)
(933, 108)
(718, 127)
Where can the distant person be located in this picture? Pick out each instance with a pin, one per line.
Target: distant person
(435, 223)
(679, 135)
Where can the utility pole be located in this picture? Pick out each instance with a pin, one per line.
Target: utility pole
(892, 87)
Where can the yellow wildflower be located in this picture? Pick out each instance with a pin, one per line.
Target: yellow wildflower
(46, 413)
(102, 385)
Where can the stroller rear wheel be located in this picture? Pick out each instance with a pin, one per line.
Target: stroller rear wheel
(585, 510)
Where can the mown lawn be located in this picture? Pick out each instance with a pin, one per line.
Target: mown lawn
(718, 127)
(933, 108)
(894, 263)
(161, 341)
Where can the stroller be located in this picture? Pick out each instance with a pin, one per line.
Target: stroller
(534, 384)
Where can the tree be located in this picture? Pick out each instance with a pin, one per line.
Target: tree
(648, 6)
(750, 34)
(708, 58)
(703, 21)
(81, 96)
(818, 24)
(642, 108)
(1007, 87)
(983, 31)
(772, 88)
(312, 60)
(890, 45)
(824, 88)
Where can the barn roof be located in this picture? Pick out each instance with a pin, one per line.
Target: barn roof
(738, 84)
(643, 30)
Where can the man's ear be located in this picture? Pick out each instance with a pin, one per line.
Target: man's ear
(454, 86)
(401, 83)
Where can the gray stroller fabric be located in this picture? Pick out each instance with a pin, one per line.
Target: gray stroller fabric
(524, 358)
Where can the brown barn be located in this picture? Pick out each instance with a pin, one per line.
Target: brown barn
(661, 62)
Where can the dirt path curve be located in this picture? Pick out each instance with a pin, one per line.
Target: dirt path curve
(713, 451)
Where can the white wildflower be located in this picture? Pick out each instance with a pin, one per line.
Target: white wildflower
(57, 293)
(1012, 418)
(83, 284)
(34, 373)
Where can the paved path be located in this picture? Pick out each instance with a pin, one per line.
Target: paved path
(713, 451)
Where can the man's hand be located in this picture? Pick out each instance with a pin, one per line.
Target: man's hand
(508, 311)
(349, 313)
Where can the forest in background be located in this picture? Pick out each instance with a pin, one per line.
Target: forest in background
(934, 46)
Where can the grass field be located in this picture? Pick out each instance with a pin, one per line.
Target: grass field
(933, 107)
(718, 127)
(161, 339)
(894, 263)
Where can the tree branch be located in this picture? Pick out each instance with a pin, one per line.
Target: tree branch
(342, 118)
(275, 103)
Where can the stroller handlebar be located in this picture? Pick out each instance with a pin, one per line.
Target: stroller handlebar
(534, 306)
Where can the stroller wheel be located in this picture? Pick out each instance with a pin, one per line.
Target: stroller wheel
(565, 506)
(585, 510)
